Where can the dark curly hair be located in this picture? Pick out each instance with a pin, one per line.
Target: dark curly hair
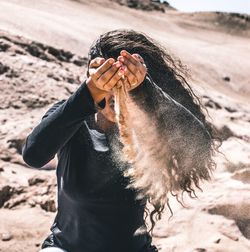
(170, 76)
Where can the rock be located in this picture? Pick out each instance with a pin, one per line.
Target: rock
(239, 212)
(233, 21)
(244, 227)
(79, 61)
(225, 132)
(242, 175)
(17, 143)
(6, 192)
(226, 78)
(11, 195)
(36, 180)
(48, 64)
(34, 101)
(247, 231)
(12, 74)
(7, 236)
(230, 110)
(32, 202)
(146, 5)
(53, 76)
(233, 167)
(4, 46)
(70, 80)
(15, 201)
(21, 52)
(217, 241)
(230, 235)
(48, 205)
(61, 55)
(212, 104)
(46, 53)
(3, 68)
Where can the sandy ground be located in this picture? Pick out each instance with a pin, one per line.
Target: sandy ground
(213, 46)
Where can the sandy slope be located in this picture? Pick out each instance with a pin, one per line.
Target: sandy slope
(212, 49)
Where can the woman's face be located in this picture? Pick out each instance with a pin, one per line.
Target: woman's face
(109, 110)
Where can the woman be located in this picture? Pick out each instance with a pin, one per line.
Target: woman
(97, 212)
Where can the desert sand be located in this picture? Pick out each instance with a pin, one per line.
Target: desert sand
(43, 50)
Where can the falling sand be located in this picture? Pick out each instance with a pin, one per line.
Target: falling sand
(168, 149)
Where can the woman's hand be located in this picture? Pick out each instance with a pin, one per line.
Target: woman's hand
(135, 69)
(103, 76)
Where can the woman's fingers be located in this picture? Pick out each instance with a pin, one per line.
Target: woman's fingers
(142, 66)
(96, 62)
(136, 69)
(127, 84)
(104, 67)
(108, 79)
(131, 78)
(138, 57)
(131, 69)
(112, 82)
(107, 73)
(104, 78)
(126, 54)
(103, 74)
(130, 62)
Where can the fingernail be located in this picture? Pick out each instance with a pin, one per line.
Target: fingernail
(123, 53)
(121, 59)
(118, 64)
(111, 61)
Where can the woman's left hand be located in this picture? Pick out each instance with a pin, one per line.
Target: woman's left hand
(135, 69)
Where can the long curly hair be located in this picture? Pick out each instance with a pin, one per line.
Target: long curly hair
(163, 163)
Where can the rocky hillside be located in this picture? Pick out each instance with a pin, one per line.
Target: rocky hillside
(45, 62)
(146, 5)
(34, 76)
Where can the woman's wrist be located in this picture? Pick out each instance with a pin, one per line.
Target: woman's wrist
(97, 94)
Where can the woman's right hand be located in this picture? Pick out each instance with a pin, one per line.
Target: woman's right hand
(103, 76)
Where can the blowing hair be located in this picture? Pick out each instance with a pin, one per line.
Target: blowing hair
(163, 163)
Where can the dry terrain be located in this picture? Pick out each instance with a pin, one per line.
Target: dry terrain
(43, 50)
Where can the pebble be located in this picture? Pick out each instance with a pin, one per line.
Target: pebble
(6, 236)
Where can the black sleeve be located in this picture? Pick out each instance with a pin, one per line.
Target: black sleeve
(57, 126)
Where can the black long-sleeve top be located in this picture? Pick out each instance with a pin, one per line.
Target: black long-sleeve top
(96, 212)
